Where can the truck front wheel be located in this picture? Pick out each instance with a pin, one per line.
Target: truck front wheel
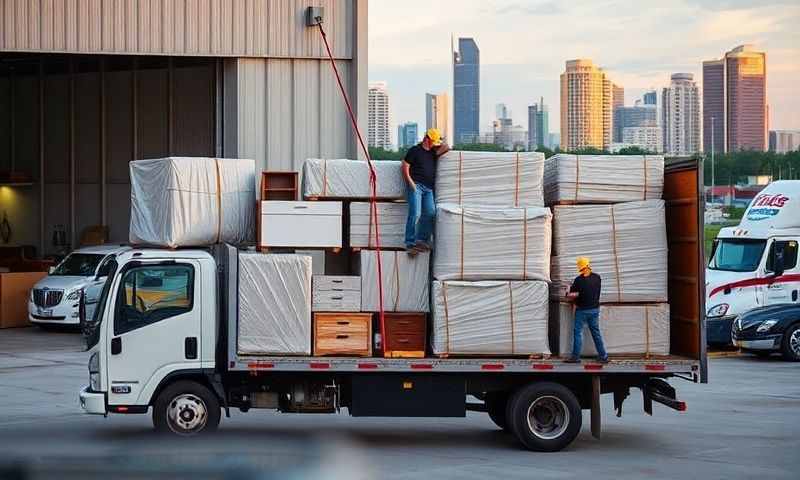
(186, 408)
(545, 417)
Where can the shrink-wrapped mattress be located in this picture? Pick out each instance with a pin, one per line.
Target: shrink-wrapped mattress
(626, 329)
(626, 243)
(391, 222)
(274, 304)
(502, 179)
(602, 178)
(490, 318)
(192, 201)
(405, 281)
(341, 178)
(476, 243)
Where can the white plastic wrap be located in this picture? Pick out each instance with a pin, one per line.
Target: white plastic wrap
(274, 304)
(192, 201)
(502, 179)
(343, 178)
(492, 244)
(405, 281)
(626, 329)
(626, 243)
(490, 318)
(602, 178)
(392, 225)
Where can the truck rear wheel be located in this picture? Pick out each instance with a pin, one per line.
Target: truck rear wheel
(496, 408)
(186, 408)
(545, 417)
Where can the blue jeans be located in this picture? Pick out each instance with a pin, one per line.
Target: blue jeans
(421, 213)
(590, 316)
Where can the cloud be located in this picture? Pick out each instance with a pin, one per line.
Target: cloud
(528, 8)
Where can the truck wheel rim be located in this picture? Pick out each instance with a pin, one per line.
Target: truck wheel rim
(548, 417)
(794, 342)
(187, 414)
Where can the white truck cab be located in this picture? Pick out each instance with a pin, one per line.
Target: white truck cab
(156, 316)
(54, 299)
(754, 264)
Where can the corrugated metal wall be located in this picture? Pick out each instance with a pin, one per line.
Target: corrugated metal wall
(238, 28)
(287, 111)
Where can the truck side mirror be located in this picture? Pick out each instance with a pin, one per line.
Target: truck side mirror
(778, 258)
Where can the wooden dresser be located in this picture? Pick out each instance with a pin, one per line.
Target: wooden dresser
(405, 335)
(346, 334)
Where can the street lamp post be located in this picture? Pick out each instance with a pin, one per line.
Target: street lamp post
(712, 159)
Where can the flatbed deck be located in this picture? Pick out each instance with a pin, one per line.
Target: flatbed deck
(655, 365)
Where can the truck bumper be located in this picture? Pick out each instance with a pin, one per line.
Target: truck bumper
(718, 330)
(93, 403)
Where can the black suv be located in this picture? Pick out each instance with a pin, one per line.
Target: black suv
(769, 329)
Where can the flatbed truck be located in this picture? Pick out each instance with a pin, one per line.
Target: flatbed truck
(181, 364)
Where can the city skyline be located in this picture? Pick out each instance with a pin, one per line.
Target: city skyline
(415, 58)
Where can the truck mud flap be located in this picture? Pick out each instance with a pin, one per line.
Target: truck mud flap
(657, 390)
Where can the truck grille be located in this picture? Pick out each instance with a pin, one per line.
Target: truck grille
(47, 298)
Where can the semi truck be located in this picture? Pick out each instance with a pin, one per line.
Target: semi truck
(754, 264)
(177, 359)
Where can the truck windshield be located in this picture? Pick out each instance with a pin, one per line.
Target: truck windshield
(79, 264)
(93, 325)
(737, 255)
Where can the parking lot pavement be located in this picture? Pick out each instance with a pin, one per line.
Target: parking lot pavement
(743, 424)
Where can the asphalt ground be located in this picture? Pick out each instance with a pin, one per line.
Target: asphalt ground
(744, 424)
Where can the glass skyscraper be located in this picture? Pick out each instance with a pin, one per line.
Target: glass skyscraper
(407, 134)
(466, 92)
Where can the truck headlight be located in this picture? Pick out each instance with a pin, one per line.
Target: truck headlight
(94, 363)
(718, 310)
(766, 326)
(74, 295)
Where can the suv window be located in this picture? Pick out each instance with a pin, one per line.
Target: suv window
(105, 267)
(789, 254)
(149, 294)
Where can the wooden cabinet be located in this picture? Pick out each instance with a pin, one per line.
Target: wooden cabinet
(346, 334)
(279, 186)
(300, 224)
(405, 335)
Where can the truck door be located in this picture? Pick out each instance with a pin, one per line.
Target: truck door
(784, 287)
(156, 327)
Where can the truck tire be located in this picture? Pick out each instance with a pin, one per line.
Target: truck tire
(496, 408)
(545, 417)
(790, 346)
(186, 408)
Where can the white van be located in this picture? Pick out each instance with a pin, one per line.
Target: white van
(755, 263)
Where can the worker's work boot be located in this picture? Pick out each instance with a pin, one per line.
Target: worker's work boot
(422, 246)
(602, 359)
(572, 360)
(412, 251)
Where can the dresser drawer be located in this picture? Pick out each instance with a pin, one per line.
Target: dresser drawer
(406, 334)
(335, 301)
(337, 283)
(405, 322)
(301, 208)
(301, 230)
(343, 334)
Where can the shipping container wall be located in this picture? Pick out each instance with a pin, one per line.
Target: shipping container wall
(236, 28)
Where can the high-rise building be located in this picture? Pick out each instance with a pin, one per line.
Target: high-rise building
(378, 116)
(651, 98)
(648, 138)
(501, 111)
(538, 126)
(466, 91)
(586, 106)
(680, 115)
(437, 113)
(784, 141)
(639, 115)
(407, 134)
(735, 96)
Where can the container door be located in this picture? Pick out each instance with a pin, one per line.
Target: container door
(156, 327)
(683, 180)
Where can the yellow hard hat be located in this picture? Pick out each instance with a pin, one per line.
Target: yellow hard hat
(583, 263)
(435, 135)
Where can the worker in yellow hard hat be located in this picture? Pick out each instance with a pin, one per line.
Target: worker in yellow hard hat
(419, 171)
(585, 292)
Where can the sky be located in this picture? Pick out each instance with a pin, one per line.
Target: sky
(524, 45)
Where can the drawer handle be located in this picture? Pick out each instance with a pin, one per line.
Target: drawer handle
(301, 206)
(337, 298)
(342, 336)
(403, 322)
(337, 281)
(343, 322)
(402, 340)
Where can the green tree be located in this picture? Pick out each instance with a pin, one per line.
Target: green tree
(479, 147)
(589, 151)
(376, 153)
(633, 150)
(547, 152)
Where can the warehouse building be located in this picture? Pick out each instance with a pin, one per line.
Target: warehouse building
(88, 86)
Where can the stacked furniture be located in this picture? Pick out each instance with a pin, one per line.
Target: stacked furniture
(491, 257)
(609, 208)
